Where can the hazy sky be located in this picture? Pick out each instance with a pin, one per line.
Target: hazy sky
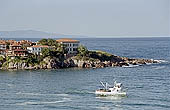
(88, 17)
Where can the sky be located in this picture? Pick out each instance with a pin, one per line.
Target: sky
(88, 17)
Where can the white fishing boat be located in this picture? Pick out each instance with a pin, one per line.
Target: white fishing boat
(115, 90)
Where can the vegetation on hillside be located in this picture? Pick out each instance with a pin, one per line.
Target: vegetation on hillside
(82, 51)
(85, 54)
(57, 52)
(49, 42)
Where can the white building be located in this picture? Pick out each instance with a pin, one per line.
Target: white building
(3, 48)
(36, 49)
(3, 45)
(71, 45)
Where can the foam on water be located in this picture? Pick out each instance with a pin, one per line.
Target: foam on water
(40, 94)
(131, 66)
(159, 67)
(80, 92)
(62, 100)
(161, 61)
(39, 103)
(103, 108)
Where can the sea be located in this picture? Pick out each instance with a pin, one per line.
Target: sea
(147, 86)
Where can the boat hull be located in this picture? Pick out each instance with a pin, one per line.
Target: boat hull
(101, 93)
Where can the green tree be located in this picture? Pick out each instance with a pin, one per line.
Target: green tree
(43, 42)
(46, 52)
(52, 42)
(61, 49)
(49, 42)
(82, 51)
(1, 59)
(32, 59)
(17, 59)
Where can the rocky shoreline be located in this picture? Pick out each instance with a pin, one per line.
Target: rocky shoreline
(80, 62)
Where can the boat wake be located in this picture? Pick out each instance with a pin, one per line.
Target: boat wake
(40, 102)
(131, 66)
(40, 94)
(159, 67)
(81, 92)
(61, 99)
(161, 61)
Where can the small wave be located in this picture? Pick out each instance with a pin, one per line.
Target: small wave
(103, 108)
(131, 66)
(39, 94)
(40, 103)
(147, 104)
(111, 97)
(7, 84)
(159, 67)
(80, 92)
(160, 61)
(10, 85)
(66, 99)
(62, 94)
(149, 63)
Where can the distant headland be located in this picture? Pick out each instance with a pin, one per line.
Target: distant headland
(57, 54)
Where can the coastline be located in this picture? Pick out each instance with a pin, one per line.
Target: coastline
(74, 62)
(58, 54)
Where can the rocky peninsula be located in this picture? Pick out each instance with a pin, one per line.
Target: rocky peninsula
(94, 59)
(57, 58)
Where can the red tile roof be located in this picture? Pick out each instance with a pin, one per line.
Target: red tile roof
(67, 40)
(11, 41)
(19, 50)
(45, 46)
(3, 43)
(15, 44)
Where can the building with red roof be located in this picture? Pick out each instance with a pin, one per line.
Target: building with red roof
(71, 45)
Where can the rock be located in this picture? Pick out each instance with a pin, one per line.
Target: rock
(72, 64)
(49, 66)
(114, 64)
(81, 64)
(88, 65)
(100, 65)
(107, 63)
(24, 65)
(123, 64)
(11, 65)
(94, 60)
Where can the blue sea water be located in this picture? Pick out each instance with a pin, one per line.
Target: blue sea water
(73, 89)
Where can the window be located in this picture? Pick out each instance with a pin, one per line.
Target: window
(74, 49)
(75, 44)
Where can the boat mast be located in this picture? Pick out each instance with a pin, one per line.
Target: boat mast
(103, 84)
(106, 85)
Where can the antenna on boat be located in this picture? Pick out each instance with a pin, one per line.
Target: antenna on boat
(103, 84)
(106, 85)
